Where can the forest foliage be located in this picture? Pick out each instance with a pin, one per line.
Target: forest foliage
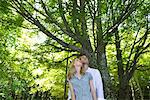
(33, 66)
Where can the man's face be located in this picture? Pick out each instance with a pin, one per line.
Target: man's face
(84, 59)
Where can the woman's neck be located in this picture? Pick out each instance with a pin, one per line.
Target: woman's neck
(78, 75)
(78, 71)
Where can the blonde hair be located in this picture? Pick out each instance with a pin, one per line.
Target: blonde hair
(72, 70)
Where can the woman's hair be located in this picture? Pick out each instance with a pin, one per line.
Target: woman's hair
(72, 70)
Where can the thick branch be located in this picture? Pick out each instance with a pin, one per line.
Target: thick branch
(67, 58)
(63, 16)
(75, 17)
(53, 20)
(59, 48)
(21, 10)
(92, 11)
(86, 43)
(129, 9)
(100, 43)
(119, 56)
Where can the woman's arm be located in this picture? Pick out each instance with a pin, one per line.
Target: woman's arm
(72, 91)
(92, 90)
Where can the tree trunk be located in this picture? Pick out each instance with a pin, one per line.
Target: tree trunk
(124, 91)
(102, 66)
(101, 56)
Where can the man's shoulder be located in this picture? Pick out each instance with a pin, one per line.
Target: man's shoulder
(94, 70)
(87, 73)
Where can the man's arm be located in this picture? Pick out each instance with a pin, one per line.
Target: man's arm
(99, 86)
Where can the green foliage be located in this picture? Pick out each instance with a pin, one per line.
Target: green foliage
(27, 61)
(26, 71)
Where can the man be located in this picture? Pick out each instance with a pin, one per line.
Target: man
(97, 80)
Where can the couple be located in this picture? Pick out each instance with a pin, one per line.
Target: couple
(85, 83)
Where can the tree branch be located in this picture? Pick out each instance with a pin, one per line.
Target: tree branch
(59, 48)
(86, 43)
(129, 9)
(132, 48)
(53, 20)
(21, 10)
(63, 16)
(92, 11)
(74, 20)
(138, 53)
(67, 58)
(119, 56)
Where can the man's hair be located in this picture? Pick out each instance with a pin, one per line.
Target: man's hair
(85, 58)
(81, 55)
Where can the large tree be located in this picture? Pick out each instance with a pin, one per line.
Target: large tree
(87, 26)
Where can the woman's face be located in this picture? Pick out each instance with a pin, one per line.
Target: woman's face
(78, 63)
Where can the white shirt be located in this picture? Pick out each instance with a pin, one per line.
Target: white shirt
(97, 81)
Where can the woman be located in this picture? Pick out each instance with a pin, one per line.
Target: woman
(80, 82)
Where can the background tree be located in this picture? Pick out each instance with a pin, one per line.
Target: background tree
(88, 26)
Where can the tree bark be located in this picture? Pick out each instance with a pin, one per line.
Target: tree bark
(101, 57)
(124, 91)
(102, 66)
